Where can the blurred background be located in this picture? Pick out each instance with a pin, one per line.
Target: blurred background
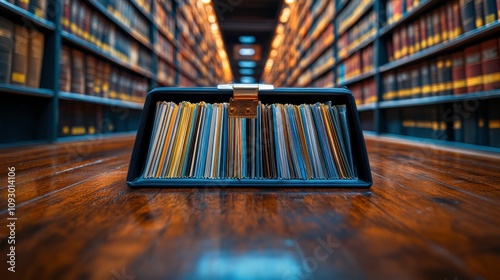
(80, 69)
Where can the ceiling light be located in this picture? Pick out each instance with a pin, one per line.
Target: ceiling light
(247, 79)
(247, 64)
(289, 1)
(273, 53)
(247, 39)
(211, 18)
(247, 51)
(246, 71)
(208, 1)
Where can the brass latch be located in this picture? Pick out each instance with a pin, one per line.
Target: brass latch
(245, 99)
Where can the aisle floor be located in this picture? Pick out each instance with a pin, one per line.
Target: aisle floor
(430, 214)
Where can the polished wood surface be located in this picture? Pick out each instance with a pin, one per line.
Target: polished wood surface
(430, 214)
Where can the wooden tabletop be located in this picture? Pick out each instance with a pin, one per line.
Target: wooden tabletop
(430, 214)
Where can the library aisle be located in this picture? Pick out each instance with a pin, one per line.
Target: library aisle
(432, 214)
(83, 81)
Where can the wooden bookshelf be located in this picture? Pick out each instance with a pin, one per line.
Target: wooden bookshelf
(48, 103)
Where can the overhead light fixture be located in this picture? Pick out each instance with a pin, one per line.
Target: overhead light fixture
(247, 39)
(247, 64)
(211, 18)
(247, 79)
(246, 51)
(289, 1)
(246, 71)
(273, 53)
(208, 1)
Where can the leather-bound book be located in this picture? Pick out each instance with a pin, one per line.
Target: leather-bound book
(490, 65)
(36, 47)
(6, 49)
(20, 58)
(458, 73)
(473, 69)
(468, 13)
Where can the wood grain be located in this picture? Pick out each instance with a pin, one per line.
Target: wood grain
(430, 214)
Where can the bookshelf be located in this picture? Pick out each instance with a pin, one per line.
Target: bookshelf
(359, 58)
(127, 47)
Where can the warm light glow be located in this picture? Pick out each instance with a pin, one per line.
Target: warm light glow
(222, 54)
(219, 42)
(213, 26)
(277, 41)
(285, 14)
(273, 53)
(208, 1)
(211, 18)
(280, 29)
(289, 1)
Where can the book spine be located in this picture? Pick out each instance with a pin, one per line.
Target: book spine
(423, 33)
(436, 27)
(37, 7)
(457, 19)
(90, 74)
(396, 42)
(458, 73)
(77, 72)
(468, 13)
(65, 76)
(450, 21)
(66, 15)
(404, 41)
(36, 48)
(474, 79)
(448, 76)
(6, 49)
(425, 80)
(490, 64)
(416, 33)
(440, 76)
(498, 8)
(20, 58)
(444, 23)
(490, 11)
(430, 30)
(479, 13)
(433, 69)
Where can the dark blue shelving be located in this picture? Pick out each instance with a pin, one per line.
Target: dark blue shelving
(95, 50)
(98, 6)
(38, 92)
(461, 41)
(360, 46)
(100, 100)
(14, 10)
(439, 99)
(414, 13)
(367, 107)
(357, 78)
(362, 13)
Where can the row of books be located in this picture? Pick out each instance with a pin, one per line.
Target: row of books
(351, 13)
(360, 32)
(166, 73)
(85, 74)
(282, 142)
(365, 92)
(397, 9)
(475, 69)
(164, 17)
(480, 126)
(125, 12)
(164, 48)
(358, 63)
(93, 120)
(444, 23)
(324, 81)
(324, 41)
(79, 19)
(36, 7)
(21, 54)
